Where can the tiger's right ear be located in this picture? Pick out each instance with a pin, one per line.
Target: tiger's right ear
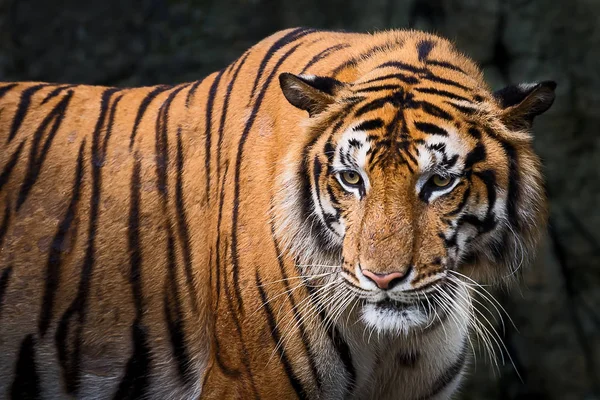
(308, 92)
(522, 103)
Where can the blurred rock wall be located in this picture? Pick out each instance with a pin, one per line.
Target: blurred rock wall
(557, 310)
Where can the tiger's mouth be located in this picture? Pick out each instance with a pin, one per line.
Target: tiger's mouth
(404, 314)
(390, 304)
(396, 316)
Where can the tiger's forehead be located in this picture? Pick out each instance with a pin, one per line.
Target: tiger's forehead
(398, 126)
(419, 57)
(360, 149)
(414, 108)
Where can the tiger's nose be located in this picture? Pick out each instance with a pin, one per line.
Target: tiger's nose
(388, 280)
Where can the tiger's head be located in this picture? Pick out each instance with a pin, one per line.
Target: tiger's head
(412, 176)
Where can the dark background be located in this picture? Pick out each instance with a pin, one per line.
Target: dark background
(557, 309)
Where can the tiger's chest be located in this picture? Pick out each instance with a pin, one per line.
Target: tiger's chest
(428, 366)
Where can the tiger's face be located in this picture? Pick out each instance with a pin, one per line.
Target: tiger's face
(412, 189)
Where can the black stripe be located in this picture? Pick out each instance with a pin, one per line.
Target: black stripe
(142, 110)
(133, 238)
(435, 111)
(288, 38)
(352, 62)
(397, 128)
(182, 224)
(444, 93)
(378, 88)
(407, 360)
(109, 128)
(439, 147)
(211, 268)
(303, 336)
(22, 108)
(430, 129)
(323, 54)
(345, 355)
(36, 161)
(238, 167)
(135, 380)
(369, 125)
(229, 371)
(210, 102)
(346, 64)
(234, 314)
(56, 92)
(514, 181)
(287, 366)
(403, 66)
(317, 169)
(162, 144)
(162, 165)
(404, 145)
(338, 342)
(448, 163)
(53, 265)
(68, 336)
(448, 375)
(4, 279)
(411, 80)
(192, 91)
(233, 373)
(6, 89)
(488, 177)
(448, 242)
(5, 221)
(218, 265)
(444, 81)
(224, 112)
(475, 156)
(424, 47)
(372, 106)
(463, 109)
(462, 203)
(334, 201)
(174, 314)
(26, 385)
(446, 65)
(475, 133)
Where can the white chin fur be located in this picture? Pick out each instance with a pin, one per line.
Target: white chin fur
(393, 321)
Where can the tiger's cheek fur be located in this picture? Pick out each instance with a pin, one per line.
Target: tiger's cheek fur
(351, 243)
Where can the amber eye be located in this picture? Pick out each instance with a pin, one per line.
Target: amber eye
(441, 181)
(351, 178)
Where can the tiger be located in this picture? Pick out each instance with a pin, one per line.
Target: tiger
(311, 221)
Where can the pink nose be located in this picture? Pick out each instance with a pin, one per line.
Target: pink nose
(386, 281)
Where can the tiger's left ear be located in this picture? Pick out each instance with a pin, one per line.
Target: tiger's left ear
(522, 103)
(308, 92)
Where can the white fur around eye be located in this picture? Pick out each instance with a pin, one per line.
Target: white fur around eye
(430, 159)
(357, 157)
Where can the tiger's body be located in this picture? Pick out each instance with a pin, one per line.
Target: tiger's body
(172, 242)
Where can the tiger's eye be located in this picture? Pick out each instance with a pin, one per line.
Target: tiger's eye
(351, 178)
(441, 181)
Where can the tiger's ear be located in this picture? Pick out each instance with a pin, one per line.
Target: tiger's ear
(308, 92)
(522, 103)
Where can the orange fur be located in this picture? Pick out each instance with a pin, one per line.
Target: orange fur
(113, 243)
